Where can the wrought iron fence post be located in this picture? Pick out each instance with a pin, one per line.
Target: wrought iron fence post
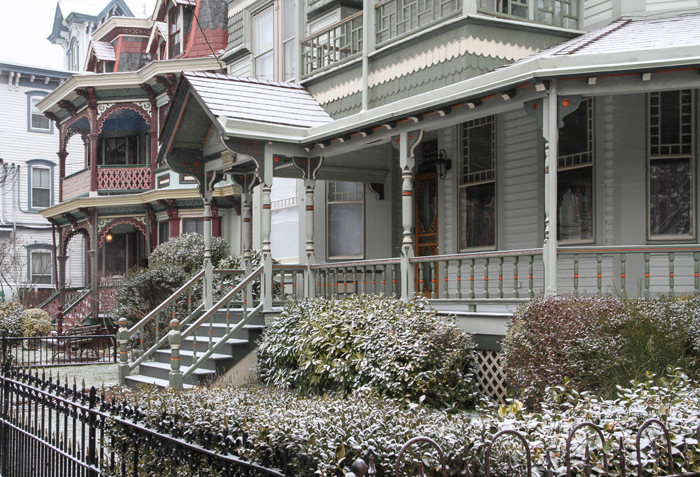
(123, 340)
(92, 435)
(4, 427)
(175, 339)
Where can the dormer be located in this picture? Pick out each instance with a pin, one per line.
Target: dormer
(120, 44)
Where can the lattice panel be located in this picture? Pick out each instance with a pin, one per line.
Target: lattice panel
(76, 185)
(123, 178)
(489, 376)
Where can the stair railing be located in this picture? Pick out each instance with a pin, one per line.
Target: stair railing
(176, 376)
(51, 298)
(124, 334)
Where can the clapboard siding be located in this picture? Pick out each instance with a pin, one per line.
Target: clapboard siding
(520, 205)
(241, 67)
(667, 5)
(595, 11)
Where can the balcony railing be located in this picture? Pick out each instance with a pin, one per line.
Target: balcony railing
(332, 46)
(76, 184)
(398, 17)
(123, 177)
(558, 13)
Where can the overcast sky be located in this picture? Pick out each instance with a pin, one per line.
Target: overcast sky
(25, 24)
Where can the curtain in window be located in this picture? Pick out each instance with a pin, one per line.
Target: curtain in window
(670, 196)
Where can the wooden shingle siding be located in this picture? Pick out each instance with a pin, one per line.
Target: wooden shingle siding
(236, 29)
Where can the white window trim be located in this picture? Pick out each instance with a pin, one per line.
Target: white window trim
(278, 41)
(31, 96)
(328, 228)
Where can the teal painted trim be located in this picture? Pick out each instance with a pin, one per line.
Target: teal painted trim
(40, 163)
(161, 169)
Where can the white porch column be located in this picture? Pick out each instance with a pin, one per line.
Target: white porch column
(266, 228)
(407, 270)
(551, 147)
(310, 278)
(208, 266)
(247, 199)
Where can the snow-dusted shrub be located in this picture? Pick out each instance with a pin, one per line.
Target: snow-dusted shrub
(597, 342)
(332, 430)
(186, 251)
(235, 262)
(36, 322)
(399, 348)
(11, 319)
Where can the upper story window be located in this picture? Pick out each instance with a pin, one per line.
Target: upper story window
(559, 13)
(345, 219)
(477, 185)
(40, 265)
(74, 55)
(575, 197)
(36, 121)
(175, 32)
(671, 169)
(275, 38)
(112, 151)
(40, 177)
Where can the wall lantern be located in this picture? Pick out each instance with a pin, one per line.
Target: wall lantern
(442, 164)
(109, 238)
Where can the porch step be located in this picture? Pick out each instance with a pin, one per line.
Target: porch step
(134, 381)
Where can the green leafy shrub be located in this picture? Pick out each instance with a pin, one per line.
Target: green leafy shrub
(235, 262)
(11, 319)
(333, 430)
(36, 322)
(397, 347)
(597, 342)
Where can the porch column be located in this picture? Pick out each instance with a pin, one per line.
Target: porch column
(208, 267)
(95, 285)
(551, 148)
(61, 291)
(266, 229)
(407, 270)
(247, 198)
(62, 155)
(310, 278)
(93, 160)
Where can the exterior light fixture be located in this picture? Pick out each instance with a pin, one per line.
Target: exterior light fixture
(109, 238)
(442, 164)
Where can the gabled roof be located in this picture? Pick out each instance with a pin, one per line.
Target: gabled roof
(158, 29)
(250, 99)
(103, 50)
(83, 11)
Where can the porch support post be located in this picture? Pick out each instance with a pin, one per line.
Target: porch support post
(407, 271)
(551, 148)
(62, 155)
(208, 267)
(310, 278)
(95, 280)
(266, 229)
(61, 290)
(93, 160)
(247, 231)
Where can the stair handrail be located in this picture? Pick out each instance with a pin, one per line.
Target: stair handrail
(163, 340)
(81, 296)
(209, 313)
(244, 321)
(167, 301)
(51, 297)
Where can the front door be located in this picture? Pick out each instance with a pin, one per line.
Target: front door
(426, 231)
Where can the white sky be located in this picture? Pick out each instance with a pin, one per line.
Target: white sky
(25, 24)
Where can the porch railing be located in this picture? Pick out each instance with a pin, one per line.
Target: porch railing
(123, 177)
(76, 184)
(398, 17)
(334, 45)
(342, 279)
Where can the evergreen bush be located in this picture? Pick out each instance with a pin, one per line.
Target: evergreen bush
(597, 343)
(11, 319)
(399, 348)
(36, 323)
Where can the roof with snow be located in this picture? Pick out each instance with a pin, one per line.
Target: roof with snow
(103, 50)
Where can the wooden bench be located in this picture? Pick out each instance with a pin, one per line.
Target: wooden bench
(74, 341)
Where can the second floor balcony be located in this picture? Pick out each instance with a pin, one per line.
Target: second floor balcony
(124, 178)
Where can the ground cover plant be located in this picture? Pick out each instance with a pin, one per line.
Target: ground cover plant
(326, 433)
(598, 343)
(399, 348)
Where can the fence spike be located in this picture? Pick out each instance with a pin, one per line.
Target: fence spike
(685, 455)
(587, 461)
(420, 469)
(655, 452)
(548, 463)
(623, 461)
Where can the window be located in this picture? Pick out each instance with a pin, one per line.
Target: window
(477, 187)
(41, 187)
(40, 264)
(119, 151)
(163, 231)
(36, 121)
(575, 198)
(290, 16)
(195, 225)
(74, 55)
(560, 13)
(345, 219)
(671, 168)
(263, 44)
(175, 32)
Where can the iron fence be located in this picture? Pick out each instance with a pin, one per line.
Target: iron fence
(70, 349)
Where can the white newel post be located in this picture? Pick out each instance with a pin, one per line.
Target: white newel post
(407, 270)
(247, 231)
(310, 281)
(208, 266)
(266, 288)
(551, 148)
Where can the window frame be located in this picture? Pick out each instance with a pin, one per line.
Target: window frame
(592, 164)
(329, 203)
(462, 184)
(692, 236)
(35, 249)
(32, 165)
(31, 96)
(163, 224)
(279, 39)
(179, 33)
